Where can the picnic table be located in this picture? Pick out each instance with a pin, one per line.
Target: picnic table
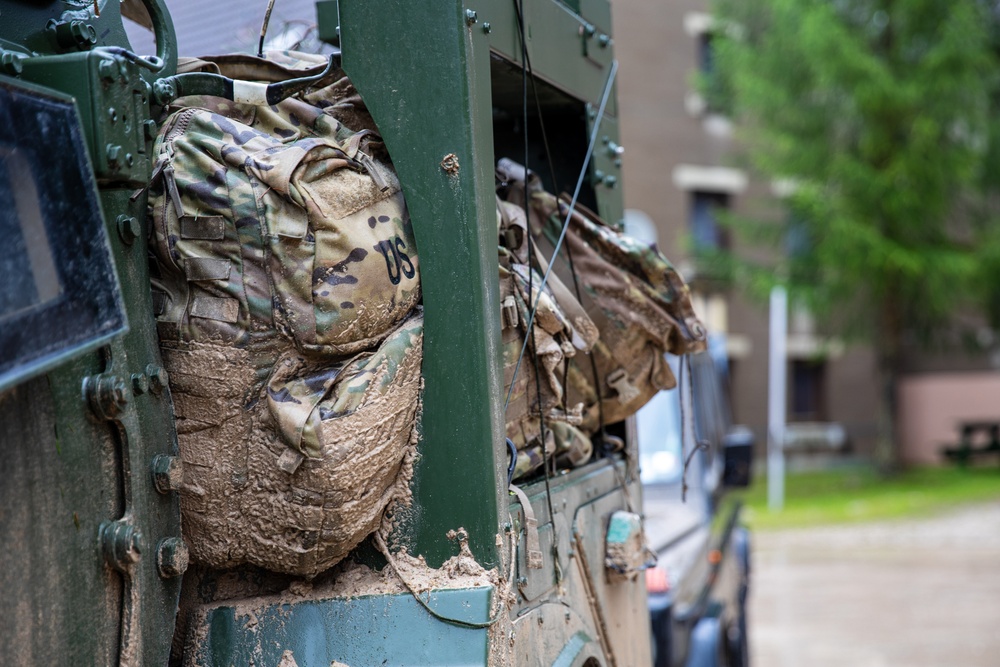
(970, 446)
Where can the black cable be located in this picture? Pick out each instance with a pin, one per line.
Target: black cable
(569, 213)
(519, 10)
(569, 251)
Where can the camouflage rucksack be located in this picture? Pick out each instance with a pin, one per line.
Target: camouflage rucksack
(637, 300)
(285, 276)
(560, 329)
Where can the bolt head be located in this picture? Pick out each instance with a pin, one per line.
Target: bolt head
(471, 16)
(129, 230)
(168, 473)
(157, 377)
(122, 544)
(114, 154)
(172, 557)
(107, 69)
(12, 63)
(487, 28)
(140, 385)
(107, 394)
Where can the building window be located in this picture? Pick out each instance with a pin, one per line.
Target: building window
(707, 232)
(706, 54)
(807, 395)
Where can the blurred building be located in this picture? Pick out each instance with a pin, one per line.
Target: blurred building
(680, 172)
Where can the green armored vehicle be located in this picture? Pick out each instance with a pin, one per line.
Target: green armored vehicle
(98, 567)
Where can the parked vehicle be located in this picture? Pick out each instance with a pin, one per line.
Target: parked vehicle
(690, 455)
(95, 566)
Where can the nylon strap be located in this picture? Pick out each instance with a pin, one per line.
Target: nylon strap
(532, 546)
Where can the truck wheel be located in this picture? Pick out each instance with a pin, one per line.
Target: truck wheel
(706, 644)
(739, 648)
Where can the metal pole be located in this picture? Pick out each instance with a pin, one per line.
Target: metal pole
(777, 368)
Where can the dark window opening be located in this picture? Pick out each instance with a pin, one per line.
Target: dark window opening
(807, 395)
(707, 232)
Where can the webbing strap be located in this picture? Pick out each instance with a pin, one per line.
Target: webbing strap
(532, 546)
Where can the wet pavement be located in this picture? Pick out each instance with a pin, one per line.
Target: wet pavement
(914, 593)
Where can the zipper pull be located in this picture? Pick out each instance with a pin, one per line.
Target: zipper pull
(175, 195)
(369, 164)
(157, 172)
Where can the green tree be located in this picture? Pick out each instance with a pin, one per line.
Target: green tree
(878, 114)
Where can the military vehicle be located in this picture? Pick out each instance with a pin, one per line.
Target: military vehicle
(94, 568)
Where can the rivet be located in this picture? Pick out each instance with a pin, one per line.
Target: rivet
(604, 41)
(487, 27)
(522, 581)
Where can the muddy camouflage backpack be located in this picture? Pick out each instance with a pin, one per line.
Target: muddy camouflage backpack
(559, 331)
(287, 286)
(637, 301)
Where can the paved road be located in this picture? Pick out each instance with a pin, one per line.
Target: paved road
(917, 593)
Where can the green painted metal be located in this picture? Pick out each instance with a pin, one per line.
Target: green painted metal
(373, 630)
(560, 49)
(571, 650)
(605, 169)
(439, 106)
(78, 444)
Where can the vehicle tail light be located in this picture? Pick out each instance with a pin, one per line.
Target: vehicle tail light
(656, 580)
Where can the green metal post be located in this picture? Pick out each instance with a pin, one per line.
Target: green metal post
(434, 112)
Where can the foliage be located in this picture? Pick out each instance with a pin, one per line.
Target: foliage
(877, 112)
(851, 495)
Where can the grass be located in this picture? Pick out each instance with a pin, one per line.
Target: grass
(858, 494)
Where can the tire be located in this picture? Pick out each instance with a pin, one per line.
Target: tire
(738, 652)
(706, 644)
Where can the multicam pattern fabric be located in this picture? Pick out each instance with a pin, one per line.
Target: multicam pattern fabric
(538, 395)
(310, 237)
(285, 267)
(251, 498)
(637, 300)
